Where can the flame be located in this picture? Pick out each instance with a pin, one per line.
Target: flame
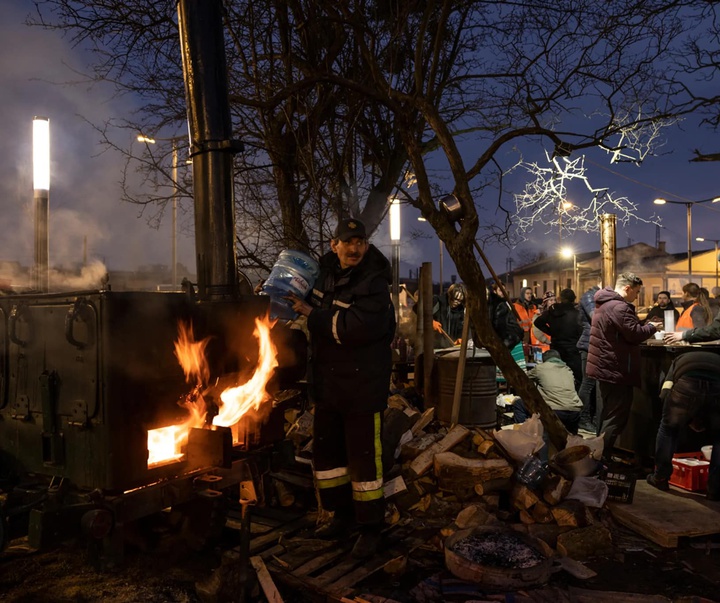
(165, 444)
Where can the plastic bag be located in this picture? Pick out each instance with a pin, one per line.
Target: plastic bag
(595, 444)
(590, 491)
(523, 441)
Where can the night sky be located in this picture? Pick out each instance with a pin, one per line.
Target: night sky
(84, 195)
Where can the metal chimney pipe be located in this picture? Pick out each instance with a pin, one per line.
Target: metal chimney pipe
(608, 249)
(212, 148)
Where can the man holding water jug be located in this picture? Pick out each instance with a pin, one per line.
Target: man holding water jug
(351, 321)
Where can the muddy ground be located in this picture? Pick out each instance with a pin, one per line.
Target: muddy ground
(160, 567)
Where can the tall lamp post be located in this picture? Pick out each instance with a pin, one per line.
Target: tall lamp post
(715, 257)
(41, 196)
(689, 206)
(395, 239)
(442, 254)
(175, 161)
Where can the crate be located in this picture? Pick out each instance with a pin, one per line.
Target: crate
(620, 481)
(690, 471)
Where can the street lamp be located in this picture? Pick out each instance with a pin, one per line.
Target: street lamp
(175, 162)
(716, 241)
(395, 238)
(688, 205)
(568, 252)
(564, 206)
(41, 196)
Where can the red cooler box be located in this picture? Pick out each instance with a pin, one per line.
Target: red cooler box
(690, 471)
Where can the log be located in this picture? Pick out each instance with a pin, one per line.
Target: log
(492, 485)
(584, 543)
(526, 518)
(471, 517)
(423, 462)
(456, 472)
(575, 568)
(547, 532)
(522, 498)
(423, 421)
(572, 513)
(556, 489)
(412, 449)
(541, 513)
(285, 497)
(478, 439)
(486, 447)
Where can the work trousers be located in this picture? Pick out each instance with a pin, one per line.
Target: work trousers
(347, 464)
(696, 400)
(616, 402)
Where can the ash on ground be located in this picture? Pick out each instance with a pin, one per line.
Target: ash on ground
(501, 549)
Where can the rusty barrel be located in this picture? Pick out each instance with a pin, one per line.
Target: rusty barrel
(479, 388)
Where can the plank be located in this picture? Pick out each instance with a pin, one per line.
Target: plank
(664, 517)
(266, 583)
(260, 542)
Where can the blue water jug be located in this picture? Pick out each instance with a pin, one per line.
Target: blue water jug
(294, 272)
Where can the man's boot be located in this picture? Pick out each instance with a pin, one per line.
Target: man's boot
(339, 526)
(368, 542)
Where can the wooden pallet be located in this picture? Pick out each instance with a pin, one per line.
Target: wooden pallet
(665, 517)
(294, 557)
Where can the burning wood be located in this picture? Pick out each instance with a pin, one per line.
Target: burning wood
(166, 444)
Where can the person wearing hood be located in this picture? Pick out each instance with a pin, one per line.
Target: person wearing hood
(449, 311)
(662, 303)
(526, 310)
(561, 322)
(614, 353)
(351, 321)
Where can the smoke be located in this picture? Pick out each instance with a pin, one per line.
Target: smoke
(93, 276)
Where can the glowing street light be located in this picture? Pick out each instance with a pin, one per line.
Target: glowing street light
(395, 239)
(569, 252)
(41, 196)
(688, 205)
(716, 259)
(175, 162)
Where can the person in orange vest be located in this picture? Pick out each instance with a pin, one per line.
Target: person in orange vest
(696, 306)
(526, 309)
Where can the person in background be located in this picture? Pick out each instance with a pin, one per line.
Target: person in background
(713, 302)
(505, 324)
(540, 339)
(614, 353)
(710, 332)
(556, 384)
(662, 303)
(696, 308)
(690, 395)
(449, 311)
(526, 309)
(351, 321)
(562, 323)
(586, 308)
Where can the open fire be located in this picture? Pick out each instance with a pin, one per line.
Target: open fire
(166, 444)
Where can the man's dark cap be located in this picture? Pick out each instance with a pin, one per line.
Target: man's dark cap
(549, 354)
(347, 229)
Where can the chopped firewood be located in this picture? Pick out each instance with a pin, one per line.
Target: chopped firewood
(572, 513)
(423, 462)
(575, 568)
(423, 421)
(392, 514)
(412, 449)
(541, 513)
(399, 402)
(522, 498)
(585, 542)
(478, 439)
(394, 486)
(448, 531)
(285, 497)
(486, 447)
(454, 471)
(547, 532)
(422, 504)
(526, 518)
(266, 583)
(493, 485)
(471, 517)
(556, 489)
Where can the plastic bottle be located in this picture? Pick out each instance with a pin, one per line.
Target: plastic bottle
(294, 272)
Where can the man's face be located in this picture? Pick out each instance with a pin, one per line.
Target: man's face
(350, 252)
(663, 300)
(632, 292)
(528, 294)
